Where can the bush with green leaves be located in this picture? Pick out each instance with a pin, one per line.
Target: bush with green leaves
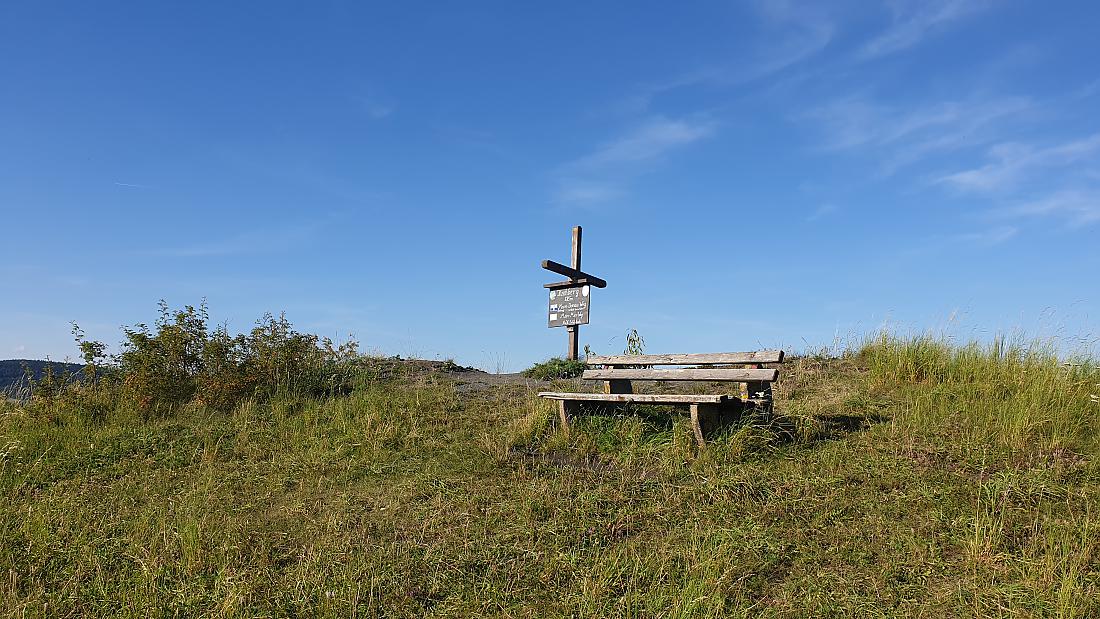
(555, 368)
(180, 360)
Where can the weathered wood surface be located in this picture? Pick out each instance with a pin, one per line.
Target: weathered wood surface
(574, 350)
(575, 256)
(574, 330)
(720, 374)
(566, 411)
(640, 398)
(570, 284)
(704, 420)
(573, 274)
(759, 356)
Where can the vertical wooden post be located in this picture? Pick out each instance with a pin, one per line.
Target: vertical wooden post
(574, 347)
(704, 419)
(576, 248)
(566, 410)
(574, 330)
(759, 391)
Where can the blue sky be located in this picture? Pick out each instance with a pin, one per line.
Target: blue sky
(747, 174)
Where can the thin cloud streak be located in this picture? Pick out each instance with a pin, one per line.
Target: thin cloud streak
(914, 21)
(1080, 207)
(1013, 162)
(988, 238)
(821, 212)
(901, 137)
(248, 243)
(1059, 179)
(791, 34)
(649, 141)
(856, 121)
(805, 33)
(580, 192)
(603, 174)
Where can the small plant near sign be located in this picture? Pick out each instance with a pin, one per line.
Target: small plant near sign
(635, 345)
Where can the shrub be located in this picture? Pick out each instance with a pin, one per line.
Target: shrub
(160, 366)
(555, 368)
(180, 360)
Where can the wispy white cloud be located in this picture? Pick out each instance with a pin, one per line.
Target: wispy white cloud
(375, 106)
(856, 121)
(603, 174)
(648, 141)
(252, 242)
(1080, 207)
(582, 192)
(915, 20)
(794, 32)
(1059, 181)
(901, 136)
(957, 241)
(987, 238)
(789, 33)
(377, 110)
(1014, 162)
(821, 212)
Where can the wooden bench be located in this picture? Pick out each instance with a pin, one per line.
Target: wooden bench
(708, 410)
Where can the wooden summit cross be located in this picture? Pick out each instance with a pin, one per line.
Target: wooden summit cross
(569, 300)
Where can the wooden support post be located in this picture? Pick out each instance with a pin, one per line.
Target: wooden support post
(759, 391)
(575, 330)
(704, 420)
(576, 257)
(566, 410)
(753, 388)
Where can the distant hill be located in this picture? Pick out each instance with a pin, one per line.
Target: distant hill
(11, 371)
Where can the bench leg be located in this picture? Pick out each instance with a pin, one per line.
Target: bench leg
(761, 395)
(704, 419)
(566, 410)
(759, 390)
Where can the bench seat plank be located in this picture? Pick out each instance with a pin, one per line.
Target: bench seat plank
(641, 398)
(730, 374)
(759, 356)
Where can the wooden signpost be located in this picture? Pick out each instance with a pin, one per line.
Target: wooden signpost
(569, 307)
(569, 300)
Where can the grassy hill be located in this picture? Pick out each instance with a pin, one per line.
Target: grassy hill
(905, 479)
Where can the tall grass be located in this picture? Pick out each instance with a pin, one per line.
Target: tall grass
(1018, 396)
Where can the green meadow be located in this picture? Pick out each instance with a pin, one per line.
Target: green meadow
(904, 477)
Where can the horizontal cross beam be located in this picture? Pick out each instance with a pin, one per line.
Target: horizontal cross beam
(573, 274)
(569, 283)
